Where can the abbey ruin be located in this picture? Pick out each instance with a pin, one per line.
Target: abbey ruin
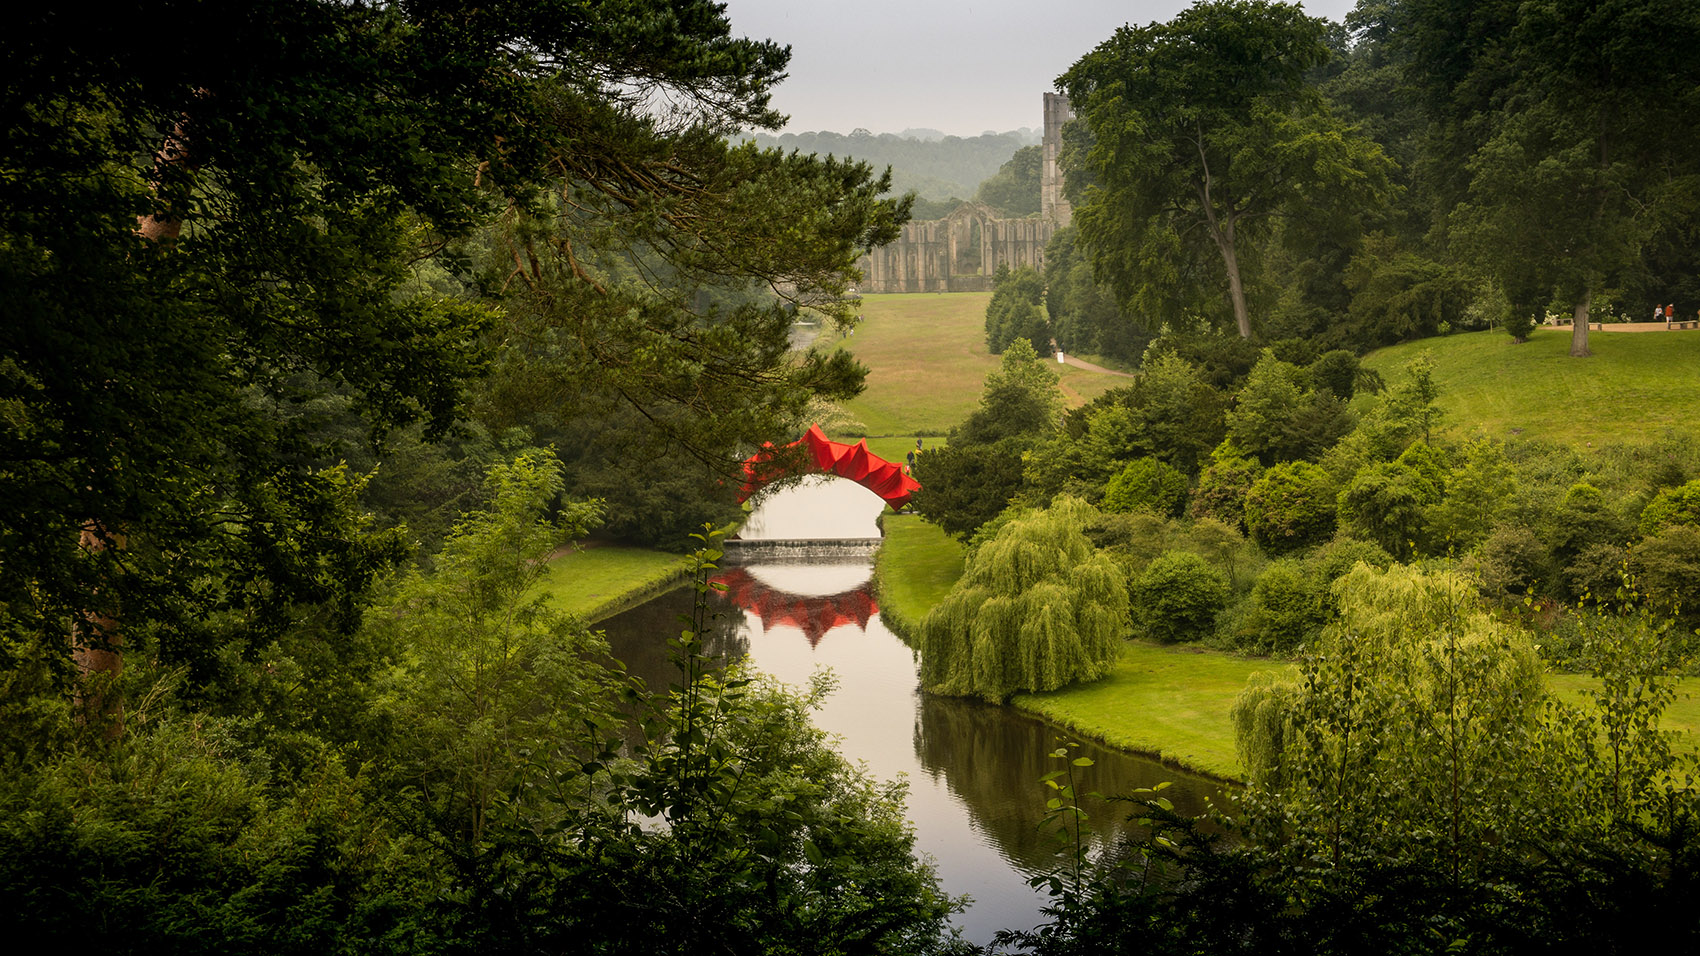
(961, 252)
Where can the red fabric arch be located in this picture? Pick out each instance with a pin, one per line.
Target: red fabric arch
(855, 462)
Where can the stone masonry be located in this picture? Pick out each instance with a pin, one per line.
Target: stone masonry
(961, 252)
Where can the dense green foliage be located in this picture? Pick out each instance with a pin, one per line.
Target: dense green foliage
(1425, 169)
(272, 298)
(1413, 790)
(1200, 132)
(1017, 311)
(1291, 506)
(496, 802)
(1085, 317)
(1147, 484)
(1014, 189)
(1178, 597)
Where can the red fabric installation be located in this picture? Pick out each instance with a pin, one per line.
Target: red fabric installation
(855, 462)
(814, 616)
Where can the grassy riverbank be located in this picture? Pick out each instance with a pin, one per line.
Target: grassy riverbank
(1172, 702)
(598, 582)
(914, 570)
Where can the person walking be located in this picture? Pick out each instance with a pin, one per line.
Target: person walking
(1670, 313)
(1658, 313)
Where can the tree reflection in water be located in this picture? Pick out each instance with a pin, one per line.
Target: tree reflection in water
(638, 637)
(992, 757)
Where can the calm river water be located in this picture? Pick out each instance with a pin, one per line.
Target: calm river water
(973, 769)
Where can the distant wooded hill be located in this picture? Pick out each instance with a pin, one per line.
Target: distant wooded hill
(936, 169)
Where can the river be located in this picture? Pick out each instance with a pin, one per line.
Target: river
(973, 769)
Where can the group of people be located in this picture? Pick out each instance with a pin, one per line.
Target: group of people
(1667, 312)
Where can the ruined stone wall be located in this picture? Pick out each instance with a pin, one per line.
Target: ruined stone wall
(958, 254)
(962, 252)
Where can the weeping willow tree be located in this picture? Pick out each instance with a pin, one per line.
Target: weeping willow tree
(1415, 714)
(1037, 609)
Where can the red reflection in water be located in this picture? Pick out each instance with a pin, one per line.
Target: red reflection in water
(814, 616)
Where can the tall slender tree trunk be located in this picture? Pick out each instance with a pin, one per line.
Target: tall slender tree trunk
(1236, 289)
(1223, 233)
(1579, 325)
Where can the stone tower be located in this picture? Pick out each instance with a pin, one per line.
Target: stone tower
(1052, 206)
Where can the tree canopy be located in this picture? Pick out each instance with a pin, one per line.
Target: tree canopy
(224, 272)
(1199, 133)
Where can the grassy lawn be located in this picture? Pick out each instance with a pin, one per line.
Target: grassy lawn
(926, 357)
(597, 582)
(915, 568)
(1636, 386)
(1682, 716)
(1168, 701)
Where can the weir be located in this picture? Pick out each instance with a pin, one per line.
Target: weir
(787, 550)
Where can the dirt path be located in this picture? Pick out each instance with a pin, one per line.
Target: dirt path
(1088, 366)
(1619, 327)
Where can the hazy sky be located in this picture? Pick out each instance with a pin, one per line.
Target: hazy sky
(960, 66)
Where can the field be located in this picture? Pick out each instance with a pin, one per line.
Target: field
(1637, 386)
(927, 357)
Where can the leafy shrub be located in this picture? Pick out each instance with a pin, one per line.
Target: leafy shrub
(1290, 507)
(1223, 485)
(181, 840)
(1336, 371)
(1134, 539)
(1331, 561)
(1223, 546)
(1147, 484)
(1512, 562)
(1596, 574)
(1479, 490)
(1518, 324)
(1289, 606)
(1277, 416)
(1666, 568)
(1386, 503)
(1015, 311)
(1178, 598)
(1672, 506)
(965, 485)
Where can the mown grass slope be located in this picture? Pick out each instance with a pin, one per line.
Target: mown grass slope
(915, 568)
(1638, 386)
(927, 357)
